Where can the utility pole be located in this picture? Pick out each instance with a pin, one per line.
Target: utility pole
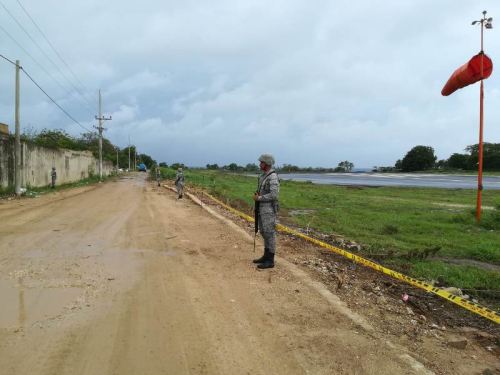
(17, 142)
(129, 152)
(100, 128)
(117, 165)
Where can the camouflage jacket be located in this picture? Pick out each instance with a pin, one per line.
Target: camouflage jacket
(268, 190)
(179, 179)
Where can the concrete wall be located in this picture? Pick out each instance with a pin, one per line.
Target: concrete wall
(37, 162)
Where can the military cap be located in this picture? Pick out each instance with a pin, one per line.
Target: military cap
(267, 158)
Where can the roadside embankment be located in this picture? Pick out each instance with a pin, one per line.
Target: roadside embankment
(424, 232)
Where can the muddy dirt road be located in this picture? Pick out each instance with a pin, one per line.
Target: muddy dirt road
(121, 278)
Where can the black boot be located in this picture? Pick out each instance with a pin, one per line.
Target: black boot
(263, 258)
(268, 263)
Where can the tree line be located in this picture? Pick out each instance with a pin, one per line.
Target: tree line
(343, 166)
(59, 138)
(423, 158)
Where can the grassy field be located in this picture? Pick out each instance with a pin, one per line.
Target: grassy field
(411, 229)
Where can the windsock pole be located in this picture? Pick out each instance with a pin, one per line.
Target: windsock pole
(481, 97)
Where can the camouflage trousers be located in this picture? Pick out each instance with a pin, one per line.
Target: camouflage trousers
(267, 228)
(53, 182)
(180, 188)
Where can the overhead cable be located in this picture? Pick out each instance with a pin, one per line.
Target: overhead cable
(57, 53)
(41, 50)
(45, 92)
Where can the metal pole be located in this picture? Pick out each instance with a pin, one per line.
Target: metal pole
(100, 136)
(481, 97)
(17, 143)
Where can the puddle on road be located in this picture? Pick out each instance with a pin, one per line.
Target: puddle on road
(21, 305)
(169, 253)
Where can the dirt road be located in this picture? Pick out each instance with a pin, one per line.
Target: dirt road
(121, 278)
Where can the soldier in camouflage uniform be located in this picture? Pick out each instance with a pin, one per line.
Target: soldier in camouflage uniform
(179, 182)
(267, 196)
(53, 175)
(158, 176)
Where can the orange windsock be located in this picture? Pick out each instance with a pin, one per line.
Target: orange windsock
(468, 74)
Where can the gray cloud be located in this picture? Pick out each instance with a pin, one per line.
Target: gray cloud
(313, 83)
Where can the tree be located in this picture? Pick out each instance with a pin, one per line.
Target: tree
(146, 160)
(339, 169)
(290, 168)
(458, 161)
(399, 165)
(442, 164)
(212, 167)
(29, 134)
(163, 165)
(419, 158)
(233, 167)
(251, 167)
(177, 166)
(346, 165)
(491, 156)
(58, 139)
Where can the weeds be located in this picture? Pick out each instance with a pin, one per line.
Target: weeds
(390, 229)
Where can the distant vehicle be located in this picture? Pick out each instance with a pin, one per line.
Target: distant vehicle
(142, 168)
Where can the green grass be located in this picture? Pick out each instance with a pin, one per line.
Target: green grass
(412, 228)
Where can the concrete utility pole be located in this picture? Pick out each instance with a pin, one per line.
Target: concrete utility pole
(17, 143)
(117, 165)
(129, 152)
(100, 128)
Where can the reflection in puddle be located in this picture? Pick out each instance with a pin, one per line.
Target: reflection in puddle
(21, 305)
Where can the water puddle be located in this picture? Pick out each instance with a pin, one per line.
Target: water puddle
(22, 305)
(169, 253)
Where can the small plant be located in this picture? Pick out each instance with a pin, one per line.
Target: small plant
(390, 229)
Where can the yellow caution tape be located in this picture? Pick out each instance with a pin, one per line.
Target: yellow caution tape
(469, 305)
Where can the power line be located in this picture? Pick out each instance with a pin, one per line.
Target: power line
(48, 96)
(12, 62)
(41, 50)
(55, 51)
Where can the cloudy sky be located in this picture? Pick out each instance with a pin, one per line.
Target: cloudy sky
(313, 82)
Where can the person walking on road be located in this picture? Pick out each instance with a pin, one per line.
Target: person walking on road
(158, 176)
(179, 182)
(53, 175)
(267, 195)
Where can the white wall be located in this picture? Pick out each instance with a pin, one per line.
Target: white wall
(37, 162)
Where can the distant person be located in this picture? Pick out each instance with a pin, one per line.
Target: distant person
(53, 175)
(267, 195)
(158, 175)
(179, 182)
